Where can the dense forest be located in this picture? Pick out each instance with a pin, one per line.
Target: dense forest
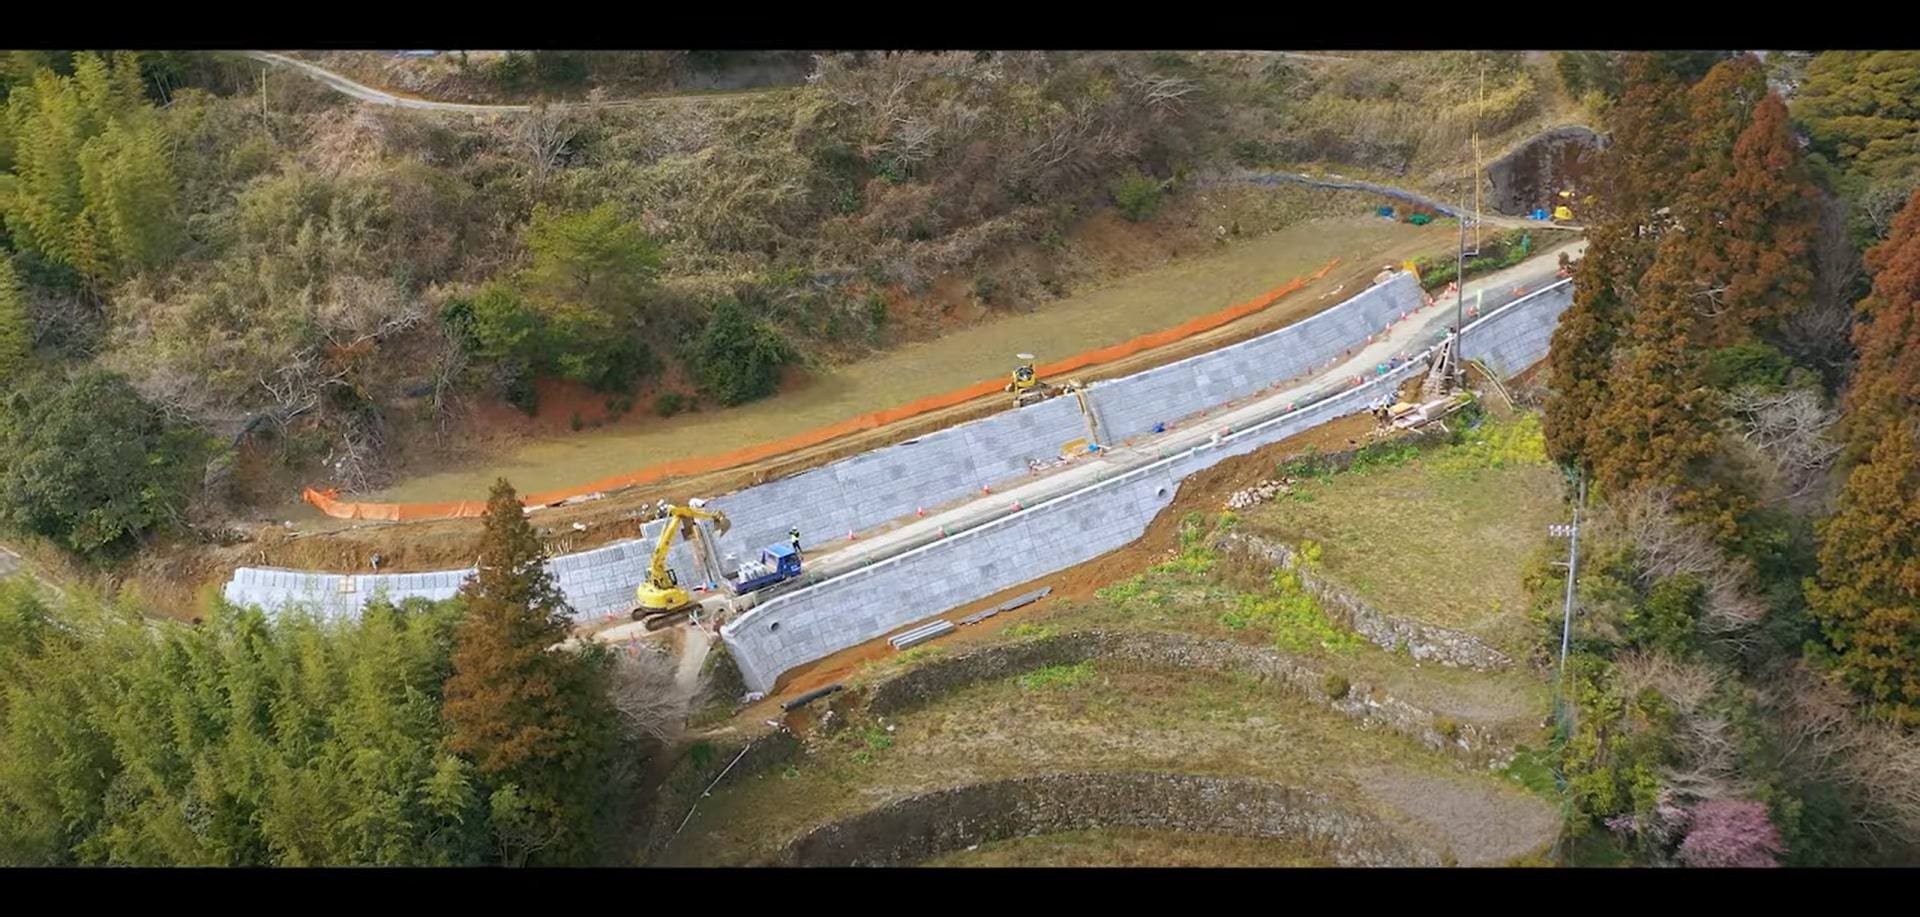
(430, 734)
(1732, 391)
(241, 264)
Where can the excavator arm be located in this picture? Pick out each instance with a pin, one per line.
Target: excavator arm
(681, 519)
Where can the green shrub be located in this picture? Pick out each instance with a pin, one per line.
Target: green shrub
(738, 359)
(1447, 728)
(1057, 676)
(668, 404)
(1336, 686)
(1749, 364)
(1137, 196)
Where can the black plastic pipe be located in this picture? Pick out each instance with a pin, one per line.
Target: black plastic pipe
(811, 696)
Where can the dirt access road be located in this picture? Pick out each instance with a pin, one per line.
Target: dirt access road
(365, 93)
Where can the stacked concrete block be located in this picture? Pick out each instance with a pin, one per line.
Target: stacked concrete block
(888, 484)
(322, 593)
(1516, 336)
(1132, 406)
(848, 610)
(803, 626)
(858, 493)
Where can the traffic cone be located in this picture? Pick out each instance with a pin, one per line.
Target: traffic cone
(1016, 506)
(849, 534)
(985, 489)
(943, 531)
(920, 513)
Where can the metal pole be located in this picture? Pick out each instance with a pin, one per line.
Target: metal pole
(1573, 570)
(1460, 276)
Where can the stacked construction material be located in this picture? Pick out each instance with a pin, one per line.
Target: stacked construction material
(921, 634)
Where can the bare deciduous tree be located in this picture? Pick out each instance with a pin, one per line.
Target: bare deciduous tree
(1709, 746)
(651, 704)
(1790, 427)
(1665, 547)
(1820, 332)
(542, 137)
(911, 140)
(1824, 738)
(1163, 91)
(1882, 202)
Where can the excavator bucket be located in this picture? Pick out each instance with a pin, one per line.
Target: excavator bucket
(721, 523)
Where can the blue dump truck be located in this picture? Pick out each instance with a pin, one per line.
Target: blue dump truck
(777, 564)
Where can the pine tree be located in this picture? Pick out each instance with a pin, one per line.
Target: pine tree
(1719, 108)
(1580, 358)
(1634, 177)
(1772, 218)
(1867, 593)
(1747, 223)
(1655, 427)
(536, 723)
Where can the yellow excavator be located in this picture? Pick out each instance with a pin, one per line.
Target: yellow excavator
(660, 598)
(1028, 388)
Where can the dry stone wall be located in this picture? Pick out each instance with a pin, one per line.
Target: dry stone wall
(918, 828)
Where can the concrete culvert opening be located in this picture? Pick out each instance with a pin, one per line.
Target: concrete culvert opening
(1160, 491)
(775, 626)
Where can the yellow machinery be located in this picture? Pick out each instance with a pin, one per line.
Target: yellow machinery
(660, 596)
(1028, 388)
(1562, 212)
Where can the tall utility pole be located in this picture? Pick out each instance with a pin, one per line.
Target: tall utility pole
(1460, 275)
(1572, 534)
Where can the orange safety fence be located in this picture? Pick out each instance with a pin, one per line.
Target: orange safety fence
(412, 512)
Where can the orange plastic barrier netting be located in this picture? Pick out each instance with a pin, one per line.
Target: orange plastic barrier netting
(411, 512)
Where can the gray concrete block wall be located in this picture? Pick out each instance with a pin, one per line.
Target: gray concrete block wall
(815, 622)
(273, 589)
(1516, 336)
(595, 583)
(1131, 406)
(794, 629)
(877, 487)
(889, 484)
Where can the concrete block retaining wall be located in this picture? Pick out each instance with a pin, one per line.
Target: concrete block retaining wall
(877, 487)
(1516, 336)
(596, 582)
(888, 484)
(1132, 406)
(815, 622)
(1073, 529)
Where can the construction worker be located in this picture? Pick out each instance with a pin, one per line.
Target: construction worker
(793, 535)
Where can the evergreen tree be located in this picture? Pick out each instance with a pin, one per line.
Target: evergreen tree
(537, 723)
(90, 186)
(1748, 217)
(16, 324)
(1634, 178)
(1771, 210)
(1719, 108)
(1867, 593)
(1656, 426)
